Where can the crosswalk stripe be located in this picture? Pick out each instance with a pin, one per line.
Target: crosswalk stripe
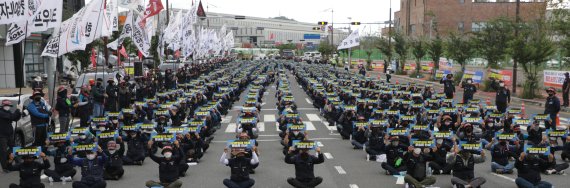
(277, 126)
(313, 117)
(269, 118)
(320, 144)
(231, 128)
(226, 119)
(328, 155)
(308, 101)
(340, 170)
(261, 126)
(310, 126)
(330, 128)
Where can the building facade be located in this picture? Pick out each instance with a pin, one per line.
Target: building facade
(426, 17)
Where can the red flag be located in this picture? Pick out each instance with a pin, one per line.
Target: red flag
(140, 56)
(271, 36)
(153, 8)
(93, 58)
(123, 52)
(200, 12)
(177, 54)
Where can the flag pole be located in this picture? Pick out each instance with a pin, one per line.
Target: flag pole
(22, 83)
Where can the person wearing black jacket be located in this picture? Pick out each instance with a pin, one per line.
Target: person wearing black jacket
(91, 169)
(464, 170)
(500, 155)
(240, 168)
(416, 163)
(124, 94)
(30, 171)
(534, 133)
(528, 167)
(114, 165)
(468, 90)
(503, 97)
(167, 168)
(394, 157)
(136, 152)
(98, 97)
(111, 93)
(359, 139)
(551, 107)
(304, 167)
(448, 87)
(376, 145)
(63, 107)
(439, 164)
(565, 155)
(64, 170)
(7, 131)
(566, 89)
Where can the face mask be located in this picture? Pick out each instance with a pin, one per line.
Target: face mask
(448, 123)
(101, 128)
(91, 156)
(37, 99)
(467, 115)
(439, 141)
(550, 94)
(296, 133)
(7, 108)
(168, 154)
(502, 85)
(98, 83)
(82, 137)
(112, 152)
(115, 121)
(63, 160)
(394, 143)
(370, 107)
(468, 82)
(417, 151)
(133, 135)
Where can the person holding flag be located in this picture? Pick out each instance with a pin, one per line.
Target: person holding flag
(7, 131)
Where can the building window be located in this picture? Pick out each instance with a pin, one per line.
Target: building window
(461, 27)
(477, 26)
(461, 1)
(412, 29)
(32, 58)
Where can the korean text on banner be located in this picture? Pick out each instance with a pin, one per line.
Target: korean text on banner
(554, 78)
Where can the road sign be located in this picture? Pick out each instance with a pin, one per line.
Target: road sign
(312, 36)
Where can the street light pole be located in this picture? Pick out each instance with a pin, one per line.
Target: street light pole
(332, 27)
(389, 36)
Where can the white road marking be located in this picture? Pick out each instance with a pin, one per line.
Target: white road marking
(308, 101)
(328, 155)
(504, 177)
(231, 128)
(226, 119)
(340, 170)
(320, 144)
(330, 128)
(274, 140)
(353, 186)
(268, 135)
(277, 126)
(261, 126)
(310, 126)
(313, 117)
(269, 118)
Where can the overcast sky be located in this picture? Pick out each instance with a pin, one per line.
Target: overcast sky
(310, 11)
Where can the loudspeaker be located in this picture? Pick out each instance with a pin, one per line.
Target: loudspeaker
(138, 68)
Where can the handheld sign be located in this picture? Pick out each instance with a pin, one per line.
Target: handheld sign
(197, 123)
(473, 120)
(398, 131)
(112, 114)
(423, 143)
(128, 111)
(514, 111)
(471, 146)
(472, 110)
(133, 127)
(378, 123)
(233, 144)
(506, 136)
(408, 118)
(557, 133)
(521, 122)
(163, 137)
(443, 134)
(529, 149)
(420, 127)
(176, 130)
(310, 145)
(148, 125)
(360, 124)
(161, 113)
(350, 108)
(56, 137)
(99, 120)
(108, 134)
(449, 111)
(193, 129)
(392, 112)
(30, 151)
(85, 147)
(80, 130)
(203, 113)
(297, 127)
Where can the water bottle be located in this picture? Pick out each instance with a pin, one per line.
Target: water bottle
(429, 171)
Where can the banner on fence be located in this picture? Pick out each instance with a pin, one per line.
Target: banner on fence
(553, 78)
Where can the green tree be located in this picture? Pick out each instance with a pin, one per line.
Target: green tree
(288, 46)
(326, 49)
(492, 41)
(531, 49)
(387, 51)
(460, 49)
(560, 23)
(401, 47)
(435, 51)
(419, 51)
(367, 44)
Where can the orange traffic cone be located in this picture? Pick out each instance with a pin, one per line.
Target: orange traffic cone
(488, 101)
(523, 109)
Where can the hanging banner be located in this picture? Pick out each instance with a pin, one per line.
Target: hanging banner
(12, 11)
(445, 64)
(554, 78)
(134, 5)
(476, 76)
(47, 15)
(112, 13)
(351, 41)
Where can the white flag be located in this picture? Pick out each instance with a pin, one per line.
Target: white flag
(113, 14)
(14, 11)
(351, 41)
(52, 46)
(47, 15)
(134, 5)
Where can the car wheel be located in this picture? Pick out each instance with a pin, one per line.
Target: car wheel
(19, 140)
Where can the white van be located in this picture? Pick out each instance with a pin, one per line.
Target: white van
(312, 56)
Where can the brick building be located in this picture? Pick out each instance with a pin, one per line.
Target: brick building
(417, 17)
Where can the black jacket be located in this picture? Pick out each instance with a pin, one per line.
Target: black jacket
(552, 105)
(530, 171)
(464, 170)
(394, 152)
(61, 106)
(501, 155)
(304, 168)
(448, 86)
(29, 172)
(416, 166)
(240, 168)
(167, 169)
(6, 119)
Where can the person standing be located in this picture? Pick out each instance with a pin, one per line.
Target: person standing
(124, 95)
(552, 107)
(7, 131)
(82, 107)
(469, 90)
(111, 96)
(503, 97)
(388, 75)
(98, 97)
(39, 117)
(63, 107)
(566, 89)
(448, 87)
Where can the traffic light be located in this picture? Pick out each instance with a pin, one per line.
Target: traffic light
(354, 23)
(323, 23)
(316, 28)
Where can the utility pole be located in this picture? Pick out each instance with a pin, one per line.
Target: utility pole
(167, 12)
(517, 20)
(332, 27)
(389, 36)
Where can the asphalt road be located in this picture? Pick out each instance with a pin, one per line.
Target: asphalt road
(343, 166)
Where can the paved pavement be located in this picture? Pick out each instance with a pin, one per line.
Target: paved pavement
(343, 167)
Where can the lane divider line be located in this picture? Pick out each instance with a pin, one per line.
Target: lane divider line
(340, 170)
